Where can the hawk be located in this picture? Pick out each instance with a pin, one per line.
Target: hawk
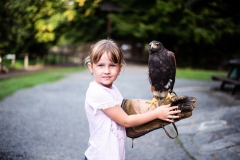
(162, 71)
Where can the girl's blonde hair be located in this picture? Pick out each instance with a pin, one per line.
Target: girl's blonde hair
(107, 46)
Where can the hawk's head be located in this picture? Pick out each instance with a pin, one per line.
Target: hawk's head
(155, 46)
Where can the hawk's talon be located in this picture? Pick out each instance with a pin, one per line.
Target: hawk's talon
(169, 96)
(154, 101)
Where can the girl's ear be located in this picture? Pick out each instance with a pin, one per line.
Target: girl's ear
(90, 67)
(120, 68)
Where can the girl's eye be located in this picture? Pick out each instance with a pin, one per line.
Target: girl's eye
(112, 65)
(100, 65)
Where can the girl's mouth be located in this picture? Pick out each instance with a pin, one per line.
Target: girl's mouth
(106, 77)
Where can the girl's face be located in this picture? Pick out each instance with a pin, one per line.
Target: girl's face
(105, 71)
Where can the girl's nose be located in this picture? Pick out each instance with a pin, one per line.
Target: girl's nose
(106, 70)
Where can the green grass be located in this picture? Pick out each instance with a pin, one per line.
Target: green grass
(9, 86)
(198, 74)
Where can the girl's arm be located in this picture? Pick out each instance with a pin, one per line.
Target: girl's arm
(119, 116)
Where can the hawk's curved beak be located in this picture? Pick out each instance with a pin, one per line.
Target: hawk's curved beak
(153, 45)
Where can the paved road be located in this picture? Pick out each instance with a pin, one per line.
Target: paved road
(48, 122)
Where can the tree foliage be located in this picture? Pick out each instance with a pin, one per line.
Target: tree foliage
(200, 32)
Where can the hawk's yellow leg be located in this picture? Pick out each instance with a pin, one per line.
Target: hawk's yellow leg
(168, 96)
(154, 101)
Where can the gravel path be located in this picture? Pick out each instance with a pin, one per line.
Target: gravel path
(48, 121)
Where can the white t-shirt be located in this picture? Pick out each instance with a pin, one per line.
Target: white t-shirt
(107, 138)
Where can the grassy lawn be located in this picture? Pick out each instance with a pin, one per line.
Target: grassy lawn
(9, 86)
(198, 74)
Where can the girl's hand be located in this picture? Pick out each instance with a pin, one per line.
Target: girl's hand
(167, 113)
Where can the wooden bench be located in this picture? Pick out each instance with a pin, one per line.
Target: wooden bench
(226, 80)
(233, 76)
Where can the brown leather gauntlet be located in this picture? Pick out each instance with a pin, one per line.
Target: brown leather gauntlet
(137, 106)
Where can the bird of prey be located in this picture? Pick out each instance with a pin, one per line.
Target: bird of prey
(162, 71)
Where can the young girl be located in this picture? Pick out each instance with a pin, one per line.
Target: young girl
(107, 120)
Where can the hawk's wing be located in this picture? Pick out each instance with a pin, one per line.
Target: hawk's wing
(172, 68)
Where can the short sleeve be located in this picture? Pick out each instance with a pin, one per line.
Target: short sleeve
(103, 98)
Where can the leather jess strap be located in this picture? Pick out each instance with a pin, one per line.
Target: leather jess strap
(168, 133)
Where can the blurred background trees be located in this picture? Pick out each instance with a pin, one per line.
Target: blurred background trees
(202, 33)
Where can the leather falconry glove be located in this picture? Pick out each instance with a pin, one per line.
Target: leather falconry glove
(137, 106)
